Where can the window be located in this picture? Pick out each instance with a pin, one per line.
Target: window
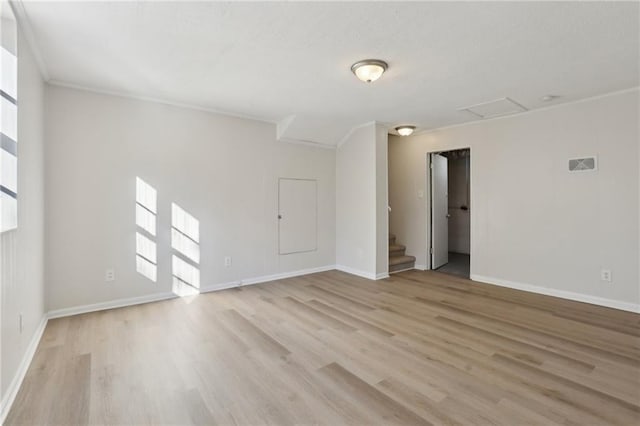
(8, 125)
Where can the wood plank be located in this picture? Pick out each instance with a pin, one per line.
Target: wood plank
(331, 348)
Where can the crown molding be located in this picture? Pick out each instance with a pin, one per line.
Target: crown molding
(169, 102)
(530, 111)
(307, 143)
(284, 124)
(25, 26)
(353, 129)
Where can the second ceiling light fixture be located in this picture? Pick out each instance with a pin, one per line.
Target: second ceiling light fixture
(369, 70)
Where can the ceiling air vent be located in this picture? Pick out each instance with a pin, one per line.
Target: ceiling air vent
(586, 164)
(497, 108)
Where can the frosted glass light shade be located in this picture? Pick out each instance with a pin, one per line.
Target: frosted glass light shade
(405, 130)
(369, 70)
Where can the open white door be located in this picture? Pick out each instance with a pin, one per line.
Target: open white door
(439, 211)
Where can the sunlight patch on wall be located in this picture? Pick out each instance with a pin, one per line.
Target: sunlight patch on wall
(181, 289)
(185, 245)
(185, 272)
(185, 223)
(146, 195)
(146, 257)
(146, 248)
(145, 219)
(146, 211)
(146, 268)
(185, 241)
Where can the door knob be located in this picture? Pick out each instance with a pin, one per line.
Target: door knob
(448, 215)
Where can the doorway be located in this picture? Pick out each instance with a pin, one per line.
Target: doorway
(450, 212)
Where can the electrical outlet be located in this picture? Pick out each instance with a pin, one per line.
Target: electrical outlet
(109, 275)
(227, 261)
(605, 275)
(20, 323)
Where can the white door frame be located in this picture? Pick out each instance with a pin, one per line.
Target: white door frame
(427, 205)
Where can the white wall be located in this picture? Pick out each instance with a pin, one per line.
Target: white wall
(361, 202)
(356, 202)
(535, 225)
(382, 202)
(23, 248)
(224, 171)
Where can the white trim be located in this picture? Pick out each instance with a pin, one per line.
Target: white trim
(118, 303)
(421, 267)
(353, 271)
(283, 275)
(283, 125)
(27, 30)
(14, 386)
(594, 300)
(265, 278)
(428, 199)
(307, 143)
(353, 129)
(402, 270)
(220, 286)
(530, 111)
(144, 98)
(382, 275)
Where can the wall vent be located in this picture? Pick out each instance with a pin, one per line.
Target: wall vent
(586, 164)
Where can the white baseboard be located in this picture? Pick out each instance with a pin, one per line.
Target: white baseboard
(578, 297)
(402, 270)
(353, 271)
(220, 286)
(14, 386)
(363, 274)
(118, 303)
(283, 275)
(421, 267)
(265, 278)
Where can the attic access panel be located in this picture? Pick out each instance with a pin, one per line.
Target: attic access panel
(496, 108)
(297, 215)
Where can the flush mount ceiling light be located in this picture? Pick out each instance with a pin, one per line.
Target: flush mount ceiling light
(369, 70)
(549, 98)
(405, 130)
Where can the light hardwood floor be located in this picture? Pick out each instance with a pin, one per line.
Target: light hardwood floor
(331, 348)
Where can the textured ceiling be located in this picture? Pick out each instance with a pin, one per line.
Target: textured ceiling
(289, 62)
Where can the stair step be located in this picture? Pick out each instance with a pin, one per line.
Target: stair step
(402, 267)
(399, 260)
(396, 250)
